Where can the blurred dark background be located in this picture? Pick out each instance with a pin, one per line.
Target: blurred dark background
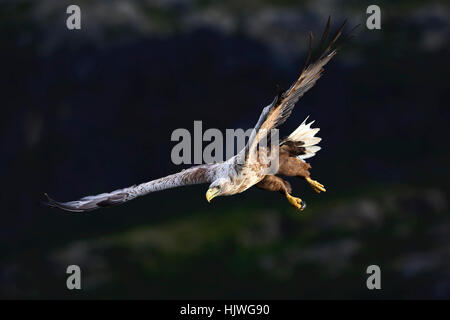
(89, 111)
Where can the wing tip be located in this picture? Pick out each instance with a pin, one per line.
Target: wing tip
(55, 204)
(49, 201)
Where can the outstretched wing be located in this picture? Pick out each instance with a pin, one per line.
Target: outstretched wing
(194, 175)
(281, 107)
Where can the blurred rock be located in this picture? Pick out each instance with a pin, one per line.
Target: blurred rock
(424, 262)
(333, 256)
(264, 231)
(417, 202)
(89, 256)
(359, 214)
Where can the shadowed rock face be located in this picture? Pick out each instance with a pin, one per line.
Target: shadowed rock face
(253, 249)
(93, 111)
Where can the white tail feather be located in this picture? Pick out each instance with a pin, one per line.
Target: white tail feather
(306, 134)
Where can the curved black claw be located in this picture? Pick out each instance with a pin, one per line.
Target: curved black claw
(303, 205)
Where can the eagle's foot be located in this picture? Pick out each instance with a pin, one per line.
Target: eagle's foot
(318, 187)
(296, 202)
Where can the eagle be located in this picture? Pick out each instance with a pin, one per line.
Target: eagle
(246, 168)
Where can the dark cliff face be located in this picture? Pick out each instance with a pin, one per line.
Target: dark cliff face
(93, 110)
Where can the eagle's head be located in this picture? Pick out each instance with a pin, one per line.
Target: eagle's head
(220, 187)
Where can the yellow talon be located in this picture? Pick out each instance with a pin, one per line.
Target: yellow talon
(318, 187)
(296, 202)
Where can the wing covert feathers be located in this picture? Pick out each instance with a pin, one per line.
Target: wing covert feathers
(195, 175)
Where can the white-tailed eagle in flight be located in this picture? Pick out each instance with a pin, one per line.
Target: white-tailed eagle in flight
(246, 169)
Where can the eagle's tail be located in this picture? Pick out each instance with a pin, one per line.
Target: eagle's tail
(305, 134)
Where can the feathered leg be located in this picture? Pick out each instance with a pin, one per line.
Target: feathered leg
(291, 166)
(274, 183)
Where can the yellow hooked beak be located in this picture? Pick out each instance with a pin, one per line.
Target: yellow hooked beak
(211, 193)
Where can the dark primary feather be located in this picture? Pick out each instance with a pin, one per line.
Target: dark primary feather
(88, 203)
(325, 34)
